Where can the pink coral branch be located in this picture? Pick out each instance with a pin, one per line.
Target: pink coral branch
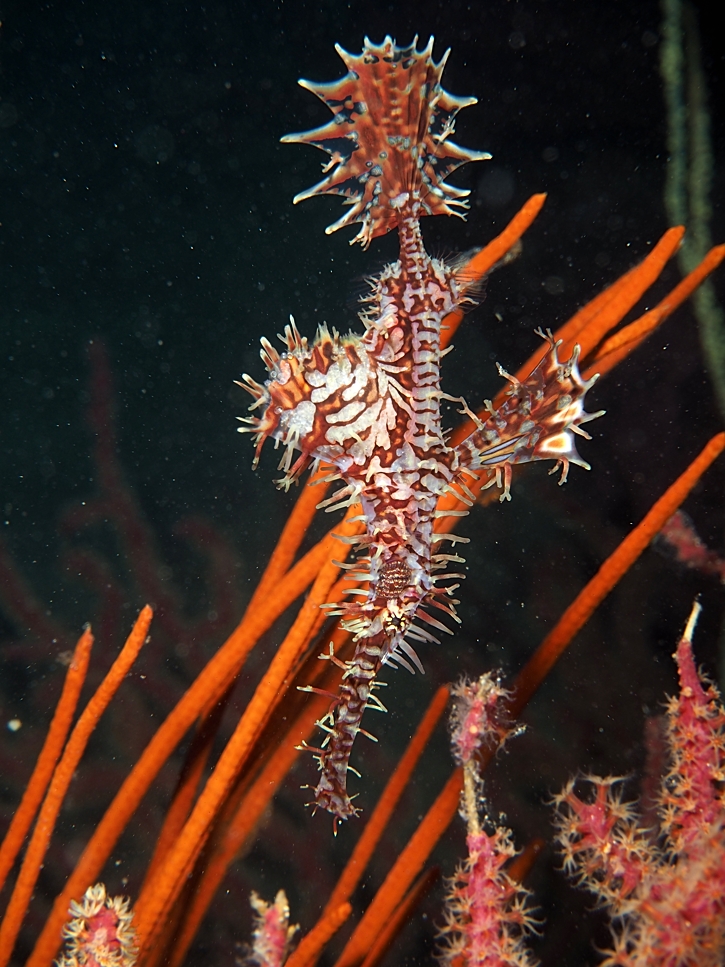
(689, 549)
(692, 796)
(272, 932)
(668, 901)
(487, 912)
(602, 842)
(477, 718)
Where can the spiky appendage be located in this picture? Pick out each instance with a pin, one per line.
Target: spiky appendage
(100, 933)
(342, 725)
(405, 583)
(539, 421)
(389, 137)
(380, 625)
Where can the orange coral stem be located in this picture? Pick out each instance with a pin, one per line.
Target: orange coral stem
(380, 816)
(246, 816)
(207, 688)
(483, 261)
(289, 541)
(62, 777)
(593, 321)
(403, 872)
(518, 868)
(317, 939)
(622, 343)
(588, 329)
(393, 926)
(187, 786)
(441, 813)
(49, 755)
(616, 565)
(162, 890)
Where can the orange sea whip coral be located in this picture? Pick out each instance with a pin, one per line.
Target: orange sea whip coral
(290, 579)
(222, 816)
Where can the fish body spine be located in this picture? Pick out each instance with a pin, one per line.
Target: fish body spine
(398, 486)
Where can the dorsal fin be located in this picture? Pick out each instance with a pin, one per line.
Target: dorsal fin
(388, 141)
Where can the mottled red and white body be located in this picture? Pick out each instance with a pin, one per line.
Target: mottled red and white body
(369, 405)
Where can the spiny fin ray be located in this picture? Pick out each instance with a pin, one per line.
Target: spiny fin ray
(389, 138)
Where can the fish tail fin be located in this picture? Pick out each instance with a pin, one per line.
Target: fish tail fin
(389, 138)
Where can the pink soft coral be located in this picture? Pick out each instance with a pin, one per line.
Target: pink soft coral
(667, 899)
(487, 914)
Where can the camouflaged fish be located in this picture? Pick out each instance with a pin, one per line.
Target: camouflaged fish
(369, 406)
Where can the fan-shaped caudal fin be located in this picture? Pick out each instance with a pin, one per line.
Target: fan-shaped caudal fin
(388, 141)
(538, 421)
